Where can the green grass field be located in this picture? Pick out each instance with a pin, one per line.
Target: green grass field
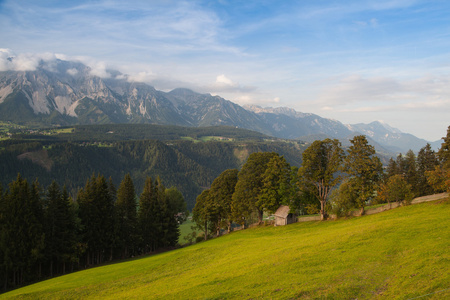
(403, 253)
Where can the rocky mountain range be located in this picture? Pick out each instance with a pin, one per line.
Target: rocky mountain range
(66, 93)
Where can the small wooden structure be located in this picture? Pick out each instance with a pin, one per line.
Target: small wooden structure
(283, 217)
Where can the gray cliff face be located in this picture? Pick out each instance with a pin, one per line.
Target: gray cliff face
(64, 93)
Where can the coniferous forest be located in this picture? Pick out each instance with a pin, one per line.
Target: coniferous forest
(44, 232)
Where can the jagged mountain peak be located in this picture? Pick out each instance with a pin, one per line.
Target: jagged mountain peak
(276, 110)
(64, 92)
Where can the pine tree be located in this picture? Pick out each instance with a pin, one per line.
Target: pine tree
(444, 151)
(22, 232)
(410, 174)
(426, 161)
(126, 216)
(169, 226)
(60, 229)
(392, 168)
(148, 215)
(96, 209)
(439, 178)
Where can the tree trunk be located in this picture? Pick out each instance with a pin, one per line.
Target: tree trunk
(323, 213)
(361, 212)
(260, 216)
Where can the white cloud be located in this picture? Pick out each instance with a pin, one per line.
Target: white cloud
(358, 90)
(147, 77)
(222, 79)
(72, 72)
(25, 61)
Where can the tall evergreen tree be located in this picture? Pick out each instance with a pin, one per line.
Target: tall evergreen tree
(3, 245)
(439, 178)
(410, 172)
(126, 216)
(148, 217)
(60, 229)
(96, 210)
(444, 151)
(22, 232)
(167, 218)
(392, 168)
(426, 161)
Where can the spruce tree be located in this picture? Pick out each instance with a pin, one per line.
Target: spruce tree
(126, 216)
(169, 226)
(60, 229)
(96, 209)
(410, 174)
(426, 161)
(22, 232)
(148, 216)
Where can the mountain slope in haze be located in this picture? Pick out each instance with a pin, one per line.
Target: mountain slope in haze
(64, 93)
(391, 138)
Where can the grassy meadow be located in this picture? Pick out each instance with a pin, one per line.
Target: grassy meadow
(403, 253)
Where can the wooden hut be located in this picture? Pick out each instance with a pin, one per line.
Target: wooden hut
(283, 217)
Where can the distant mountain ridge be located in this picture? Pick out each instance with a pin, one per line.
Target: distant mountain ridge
(66, 93)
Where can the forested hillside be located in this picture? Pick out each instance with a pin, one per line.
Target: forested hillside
(188, 158)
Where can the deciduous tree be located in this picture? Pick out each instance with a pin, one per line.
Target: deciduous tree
(396, 189)
(278, 186)
(249, 186)
(364, 169)
(220, 197)
(319, 171)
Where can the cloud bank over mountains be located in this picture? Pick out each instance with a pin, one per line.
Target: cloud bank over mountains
(353, 60)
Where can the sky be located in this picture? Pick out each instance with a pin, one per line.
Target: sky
(355, 61)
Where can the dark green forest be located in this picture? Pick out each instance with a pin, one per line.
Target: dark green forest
(44, 232)
(186, 158)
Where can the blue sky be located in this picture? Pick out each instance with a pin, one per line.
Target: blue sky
(353, 61)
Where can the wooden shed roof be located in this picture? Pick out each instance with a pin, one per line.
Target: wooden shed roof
(282, 211)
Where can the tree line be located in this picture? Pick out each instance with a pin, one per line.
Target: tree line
(44, 233)
(330, 179)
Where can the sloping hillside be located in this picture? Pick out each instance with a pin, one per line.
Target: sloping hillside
(398, 254)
